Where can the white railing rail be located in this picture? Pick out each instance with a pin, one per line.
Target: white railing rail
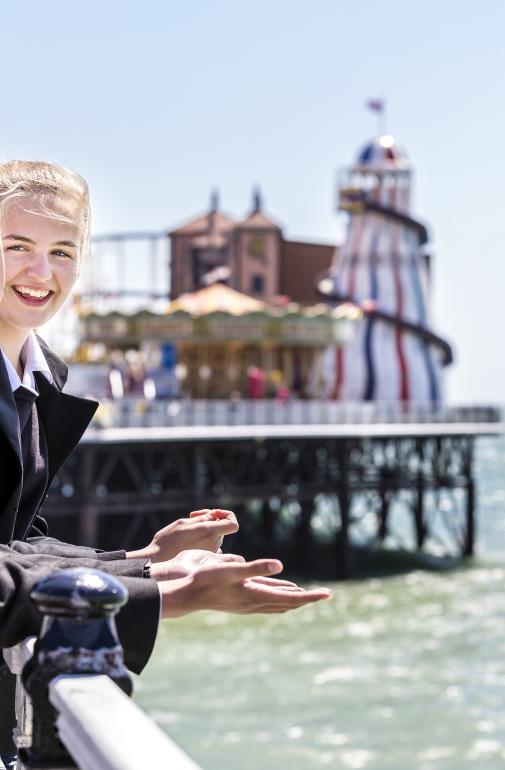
(101, 728)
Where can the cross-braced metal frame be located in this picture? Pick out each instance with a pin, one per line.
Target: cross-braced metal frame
(289, 493)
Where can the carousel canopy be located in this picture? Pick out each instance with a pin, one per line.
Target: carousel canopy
(215, 298)
(218, 313)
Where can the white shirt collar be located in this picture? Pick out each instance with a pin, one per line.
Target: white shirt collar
(34, 361)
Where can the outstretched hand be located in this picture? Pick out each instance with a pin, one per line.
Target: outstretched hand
(203, 529)
(188, 562)
(241, 588)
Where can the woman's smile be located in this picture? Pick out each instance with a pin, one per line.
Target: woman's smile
(33, 296)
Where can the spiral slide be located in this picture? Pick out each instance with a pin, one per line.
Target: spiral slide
(382, 269)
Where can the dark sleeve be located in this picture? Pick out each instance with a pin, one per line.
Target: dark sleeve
(137, 622)
(53, 547)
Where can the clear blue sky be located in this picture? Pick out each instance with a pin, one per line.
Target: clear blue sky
(155, 102)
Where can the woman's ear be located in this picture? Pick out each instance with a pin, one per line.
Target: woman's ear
(2, 272)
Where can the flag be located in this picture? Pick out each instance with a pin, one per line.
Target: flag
(376, 105)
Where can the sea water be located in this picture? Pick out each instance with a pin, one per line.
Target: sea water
(397, 673)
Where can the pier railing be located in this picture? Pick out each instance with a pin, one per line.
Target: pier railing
(72, 704)
(141, 413)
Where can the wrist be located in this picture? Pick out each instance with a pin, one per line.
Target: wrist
(167, 570)
(177, 597)
(149, 552)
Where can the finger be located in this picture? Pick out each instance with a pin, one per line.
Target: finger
(222, 527)
(275, 581)
(213, 513)
(290, 601)
(275, 593)
(230, 557)
(204, 512)
(222, 513)
(299, 599)
(224, 516)
(287, 589)
(228, 524)
(285, 606)
(275, 589)
(251, 569)
(215, 529)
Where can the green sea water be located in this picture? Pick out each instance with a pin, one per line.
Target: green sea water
(393, 673)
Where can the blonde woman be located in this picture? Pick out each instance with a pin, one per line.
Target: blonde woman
(44, 229)
(44, 239)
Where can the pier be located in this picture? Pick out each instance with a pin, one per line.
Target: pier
(308, 481)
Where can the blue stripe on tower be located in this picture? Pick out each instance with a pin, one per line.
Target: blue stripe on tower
(374, 292)
(418, 293)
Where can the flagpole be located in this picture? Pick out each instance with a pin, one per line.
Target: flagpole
(379, 107)
(382, 119)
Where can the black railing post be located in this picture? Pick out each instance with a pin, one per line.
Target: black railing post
(78, 636)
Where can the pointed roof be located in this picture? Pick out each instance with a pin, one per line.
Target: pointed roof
(257, 220)
(212, 221)
(213, 224)
(215, 298)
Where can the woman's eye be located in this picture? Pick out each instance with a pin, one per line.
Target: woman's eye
(60, 253)
(16, 247)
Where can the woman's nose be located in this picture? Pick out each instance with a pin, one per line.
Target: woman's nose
(40, 267)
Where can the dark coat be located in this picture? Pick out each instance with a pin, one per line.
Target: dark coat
(65, 418)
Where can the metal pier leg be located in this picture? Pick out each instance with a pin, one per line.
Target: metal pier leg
(386, 495)
(303, 534)
(267, 521)
(419, 513)
(343, 494)
(470, 519)
(469, 540)
(88, 516)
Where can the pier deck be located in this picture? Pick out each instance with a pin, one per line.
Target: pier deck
(234, 432)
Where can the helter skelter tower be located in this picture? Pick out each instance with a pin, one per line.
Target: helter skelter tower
(384, 268)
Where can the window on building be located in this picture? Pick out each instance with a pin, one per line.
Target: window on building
(257, 247)
(257, 284)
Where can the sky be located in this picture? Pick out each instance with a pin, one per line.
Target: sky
(157, 102)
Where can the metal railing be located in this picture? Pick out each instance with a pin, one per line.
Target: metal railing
(68, 719)
(142, 413)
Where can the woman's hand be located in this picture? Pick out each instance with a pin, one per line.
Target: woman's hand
(203, 529)
(241, 588)
(188, 562)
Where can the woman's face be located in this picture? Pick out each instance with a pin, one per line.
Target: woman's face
(42, 257)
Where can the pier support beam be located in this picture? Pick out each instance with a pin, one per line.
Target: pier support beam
(303, 534)
(470, 519)
(88, 520)
(420, 524)
(344, 502)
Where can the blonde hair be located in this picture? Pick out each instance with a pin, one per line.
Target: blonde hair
(61, 193)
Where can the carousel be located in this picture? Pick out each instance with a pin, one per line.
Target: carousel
(217, 342)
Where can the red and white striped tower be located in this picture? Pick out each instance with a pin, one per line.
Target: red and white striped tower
(383, 268)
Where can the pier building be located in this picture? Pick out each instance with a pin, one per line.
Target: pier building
(251, 255)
